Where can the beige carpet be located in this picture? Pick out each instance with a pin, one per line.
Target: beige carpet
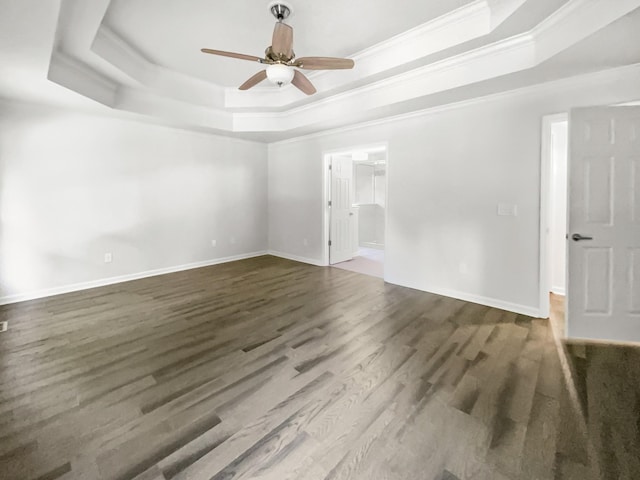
(369, 261)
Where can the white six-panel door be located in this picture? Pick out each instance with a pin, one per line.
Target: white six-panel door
(603, 297)
(341, 226)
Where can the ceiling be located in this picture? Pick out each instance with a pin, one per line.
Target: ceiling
(141, 58)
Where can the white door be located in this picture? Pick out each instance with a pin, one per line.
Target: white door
(341, 228)
(603, 298)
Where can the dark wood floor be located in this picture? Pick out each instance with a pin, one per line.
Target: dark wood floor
(606, 378)
(271, 369)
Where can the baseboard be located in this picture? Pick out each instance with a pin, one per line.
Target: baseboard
(296, 258)
(493, 302)
(488, 301)
(49, 292)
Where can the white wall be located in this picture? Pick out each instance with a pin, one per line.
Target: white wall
(74, 186)
(558, 204)
(447, 171)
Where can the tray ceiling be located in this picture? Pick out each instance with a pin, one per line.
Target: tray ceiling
(142, 56)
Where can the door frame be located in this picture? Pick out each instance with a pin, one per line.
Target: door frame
(546, 173)
(326, 191)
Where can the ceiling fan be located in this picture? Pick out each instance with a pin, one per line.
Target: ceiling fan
(281, 60)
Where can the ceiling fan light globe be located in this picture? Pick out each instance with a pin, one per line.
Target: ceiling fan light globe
(280, 74)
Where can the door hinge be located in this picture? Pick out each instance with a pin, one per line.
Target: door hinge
(330, 167)
(329, 242)
(329, 202)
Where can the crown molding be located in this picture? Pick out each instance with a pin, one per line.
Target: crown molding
(76, 75)
(112, 48)
(151, 103)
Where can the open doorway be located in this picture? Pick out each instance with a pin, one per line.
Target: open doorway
(357, 192)
(555, 153)
(558, 207)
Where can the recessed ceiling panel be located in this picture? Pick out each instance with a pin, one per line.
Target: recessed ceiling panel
(171, 33)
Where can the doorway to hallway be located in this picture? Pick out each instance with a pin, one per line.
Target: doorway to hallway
(357, 196)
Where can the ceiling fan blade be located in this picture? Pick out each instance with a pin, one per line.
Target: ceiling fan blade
(253, 81)
(303, 83)
(282, 41)
(241, 56)
(324, 63)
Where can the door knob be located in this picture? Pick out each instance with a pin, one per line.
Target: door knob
(576, 237)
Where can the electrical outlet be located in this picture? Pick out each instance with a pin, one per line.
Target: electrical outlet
(108, 257)
(214, 243)
(305, 242)
(232, 240)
